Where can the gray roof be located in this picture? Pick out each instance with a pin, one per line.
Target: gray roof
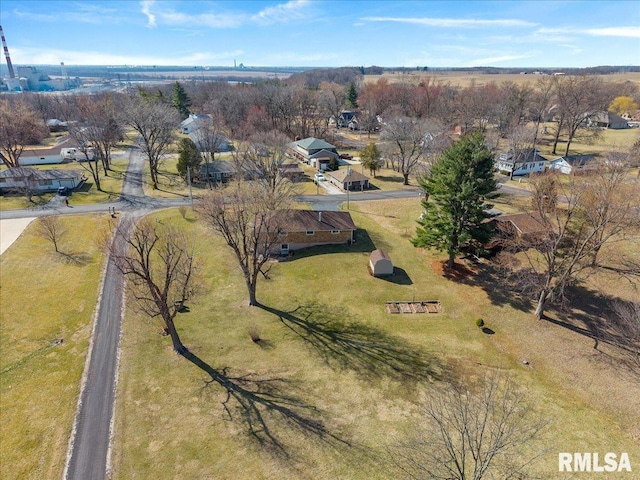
(313, 143)
(341, 175)
(35, 174)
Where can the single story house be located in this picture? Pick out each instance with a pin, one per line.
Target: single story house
(216, 171)
(32, 179)
(313, 151)
(573, 164)
(207, 141)
(517, 225)
(308, 228)
(604, 119)
(291, 170)
(194, 122)
(348, 179)
(380, 263)
(48, 155)
(521, 162)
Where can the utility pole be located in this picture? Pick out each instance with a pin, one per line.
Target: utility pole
(189, 182)
(348, 185)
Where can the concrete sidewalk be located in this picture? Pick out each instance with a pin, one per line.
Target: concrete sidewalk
(11, 229)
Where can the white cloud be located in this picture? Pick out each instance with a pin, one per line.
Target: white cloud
(146, 10)
(282, 13)
(39, 56)
(631, 32)
(452, 22)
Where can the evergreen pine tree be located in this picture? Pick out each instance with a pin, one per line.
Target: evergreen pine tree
(456, 189)
(181, 100)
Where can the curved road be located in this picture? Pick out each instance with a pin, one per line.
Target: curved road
(89, 445)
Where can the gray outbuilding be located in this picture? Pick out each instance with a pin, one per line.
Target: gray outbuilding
(380, 264)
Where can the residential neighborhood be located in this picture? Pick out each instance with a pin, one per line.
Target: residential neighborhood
(328, 275)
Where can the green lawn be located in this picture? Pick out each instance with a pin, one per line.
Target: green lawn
(335, 378)
(48, 301)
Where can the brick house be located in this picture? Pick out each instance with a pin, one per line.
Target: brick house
(308, 228)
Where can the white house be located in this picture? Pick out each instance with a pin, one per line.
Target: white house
(65, 149)
(194, 122)
(521, 162)
(572, 164)
(32, 179)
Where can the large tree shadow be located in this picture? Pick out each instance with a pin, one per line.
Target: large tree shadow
(493, 279)
(263, 404)
(351, 345)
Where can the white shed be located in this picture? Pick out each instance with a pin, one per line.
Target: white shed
(380, 264)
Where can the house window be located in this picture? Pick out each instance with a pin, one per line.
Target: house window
(335, 232)
(541, 164)
(45, 182)
(310, 232)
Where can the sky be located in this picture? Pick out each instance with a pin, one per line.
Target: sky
(323, 33)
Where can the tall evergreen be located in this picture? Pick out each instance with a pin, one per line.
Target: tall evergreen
(352, 95)
(181, 100)
(456, 189)
(188, 157)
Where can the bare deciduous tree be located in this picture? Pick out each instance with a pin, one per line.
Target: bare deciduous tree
(158, 263)
(624, 329)
(155, 122)
(471, 433)
(19, 127)
(404, 138)
(588, 213)
(51, 229)
(241, 215)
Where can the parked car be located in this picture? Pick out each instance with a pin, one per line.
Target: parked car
(64, 191)
(346, 156)
(319, 177)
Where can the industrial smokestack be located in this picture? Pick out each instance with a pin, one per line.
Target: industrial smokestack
(6, 55)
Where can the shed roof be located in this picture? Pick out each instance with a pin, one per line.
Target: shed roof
(378, 254)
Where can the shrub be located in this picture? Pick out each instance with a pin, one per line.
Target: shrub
(480, 323)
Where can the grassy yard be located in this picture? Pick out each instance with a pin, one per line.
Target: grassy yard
(335, 379)
(48, 301)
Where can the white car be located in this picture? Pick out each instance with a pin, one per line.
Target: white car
(319, 177)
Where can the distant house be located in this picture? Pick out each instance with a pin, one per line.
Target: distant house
(604, 119)
(348, 179)
(194, 122)
(32, 179)
(313, 151)
(521, 162)
(207, 141)
(347, 118)
(49, 155)
(217, 171)
(573, 164)
(308, 228)
(291, 170)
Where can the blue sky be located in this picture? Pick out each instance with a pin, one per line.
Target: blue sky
(319, 33)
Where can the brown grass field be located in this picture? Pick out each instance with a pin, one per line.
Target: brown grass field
(465, 79)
